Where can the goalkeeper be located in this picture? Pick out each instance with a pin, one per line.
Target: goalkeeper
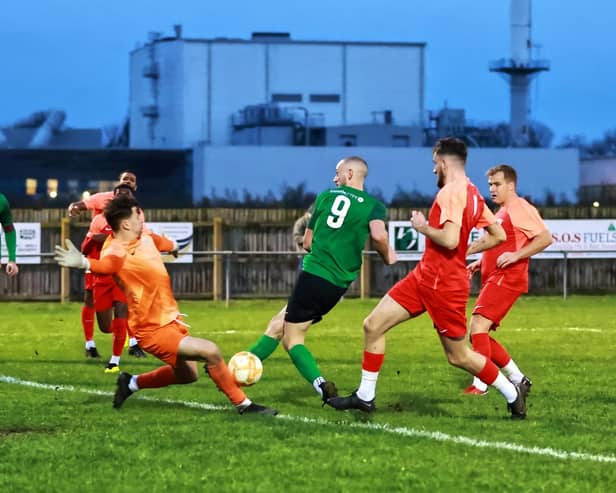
(152, 309)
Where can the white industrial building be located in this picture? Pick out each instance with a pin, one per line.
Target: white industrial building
(224, 91)
(268, 112)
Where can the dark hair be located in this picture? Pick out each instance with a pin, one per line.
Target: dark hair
(118, 209)
(127, 171)
(450, 146)
(507, 171)
(122, 186)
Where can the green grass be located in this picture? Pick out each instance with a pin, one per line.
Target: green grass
(63, 435)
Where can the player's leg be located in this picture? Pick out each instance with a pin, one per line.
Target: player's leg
(193, 348)
(268, 342)
(493, 304)
(119, 326)
(311, 299)
(387, 314)
(87, 318)
(459, 354)
(480, 340)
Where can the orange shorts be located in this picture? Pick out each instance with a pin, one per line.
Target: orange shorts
(494, 302)
(446, 309)
(163, 342)
(105, 292)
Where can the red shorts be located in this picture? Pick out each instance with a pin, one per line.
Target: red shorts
(105, 292)
(446, 309)
(494, 302)
(88, 281)
(163, 342)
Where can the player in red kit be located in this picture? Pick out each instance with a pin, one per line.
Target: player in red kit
(504, 272)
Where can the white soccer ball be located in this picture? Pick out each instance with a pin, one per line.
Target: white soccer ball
(246, 368)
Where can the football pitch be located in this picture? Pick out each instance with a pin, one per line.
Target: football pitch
(59, 432)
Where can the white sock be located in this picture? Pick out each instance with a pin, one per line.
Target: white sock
(505, 387)
(132, 342)
(115, 360)
(318, 381)
(480, 384)
(90, 344)
(513, 372)
(132, 385)
(244, 404)
(367, 387)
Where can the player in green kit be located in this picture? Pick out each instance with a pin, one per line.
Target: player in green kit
(342, 220)
(6, 219)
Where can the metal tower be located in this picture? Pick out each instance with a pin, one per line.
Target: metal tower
(520, 69)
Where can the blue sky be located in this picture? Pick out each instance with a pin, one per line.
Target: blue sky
(73, 55)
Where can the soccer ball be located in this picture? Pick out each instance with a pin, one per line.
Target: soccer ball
(246, 368)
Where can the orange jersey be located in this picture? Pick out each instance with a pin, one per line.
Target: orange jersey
(140, 271)
(460, 203)
(522, 222)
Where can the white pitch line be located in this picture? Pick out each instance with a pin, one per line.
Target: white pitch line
(385, 428)
(556, 329)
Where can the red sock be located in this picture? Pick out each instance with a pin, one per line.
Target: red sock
(225, 382)
(489, 373)
(161, 377)
(372, 361)
(481, 344)
(500, 356)
(118, 329)
(87, 322)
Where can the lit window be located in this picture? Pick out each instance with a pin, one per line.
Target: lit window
(30, 186)
(52, 188)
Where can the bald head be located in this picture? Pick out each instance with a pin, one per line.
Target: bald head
(351, 172)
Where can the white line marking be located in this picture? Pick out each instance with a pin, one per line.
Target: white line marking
(555, 329)
(402, 431)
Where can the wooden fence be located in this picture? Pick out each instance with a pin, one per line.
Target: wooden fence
(272, 274)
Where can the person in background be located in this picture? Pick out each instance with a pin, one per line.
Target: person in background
(10, 236)
(504, 272)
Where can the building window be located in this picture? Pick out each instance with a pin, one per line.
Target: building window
(52, 188)
(286, 98)
(400, 140)
(30, 186)
(348, 140)
(325, 98)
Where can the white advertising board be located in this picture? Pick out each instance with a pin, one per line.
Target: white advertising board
(28, 243)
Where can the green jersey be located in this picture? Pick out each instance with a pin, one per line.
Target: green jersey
(340, 224)
(6, 219)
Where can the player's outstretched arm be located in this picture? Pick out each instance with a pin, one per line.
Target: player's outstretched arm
(71, 257)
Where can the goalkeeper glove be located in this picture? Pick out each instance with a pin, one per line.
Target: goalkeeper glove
(71, 257)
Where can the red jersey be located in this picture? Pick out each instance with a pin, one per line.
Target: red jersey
(522, 222)
(98, 225)
(461, 203)
(98, 201)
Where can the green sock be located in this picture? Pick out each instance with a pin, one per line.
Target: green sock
(264, 347)
(304, 361)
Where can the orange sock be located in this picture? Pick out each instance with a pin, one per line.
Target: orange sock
(161, 377)
(87, 322)
(118, 329)
(225, 382)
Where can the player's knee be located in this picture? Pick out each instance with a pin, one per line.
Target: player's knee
(371, 328)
